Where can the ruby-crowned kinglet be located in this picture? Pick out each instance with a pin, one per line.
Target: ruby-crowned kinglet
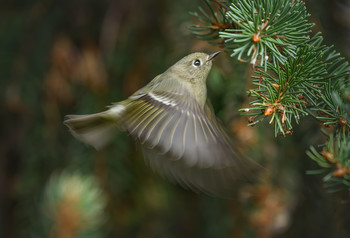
(179, 134)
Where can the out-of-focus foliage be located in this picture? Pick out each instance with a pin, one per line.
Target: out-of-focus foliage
(74, 205)
(73, 56)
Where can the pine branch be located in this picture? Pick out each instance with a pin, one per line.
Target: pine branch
(212, 23)
(297, 75)
(260, 30)
(334, 156)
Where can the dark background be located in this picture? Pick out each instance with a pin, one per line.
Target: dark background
(78, 56)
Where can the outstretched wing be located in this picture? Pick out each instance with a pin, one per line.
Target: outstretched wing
(181, 142)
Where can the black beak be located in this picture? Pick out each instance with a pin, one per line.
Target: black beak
(212, 56)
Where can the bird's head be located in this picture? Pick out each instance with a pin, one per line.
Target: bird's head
(194, 68)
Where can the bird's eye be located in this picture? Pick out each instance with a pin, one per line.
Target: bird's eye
(197, 63)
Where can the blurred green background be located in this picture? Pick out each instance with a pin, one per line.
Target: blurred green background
(78, 56)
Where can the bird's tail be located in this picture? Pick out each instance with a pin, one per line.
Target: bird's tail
(96, 130)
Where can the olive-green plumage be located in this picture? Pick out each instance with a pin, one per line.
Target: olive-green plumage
(172, 120)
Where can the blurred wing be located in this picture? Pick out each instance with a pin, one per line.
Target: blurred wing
(181, 142)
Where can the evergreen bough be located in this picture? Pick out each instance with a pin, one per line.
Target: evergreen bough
(296, 74)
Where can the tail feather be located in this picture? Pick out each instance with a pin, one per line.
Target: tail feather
(96, 130)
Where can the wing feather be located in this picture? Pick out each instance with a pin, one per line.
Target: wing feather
(156, 116)
(172, 130)
(143, 119)
(177, 146)
(161, 134)
(152, 125)
(190, 142)
(134, 115)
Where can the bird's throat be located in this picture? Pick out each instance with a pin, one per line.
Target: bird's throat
(200, 93)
